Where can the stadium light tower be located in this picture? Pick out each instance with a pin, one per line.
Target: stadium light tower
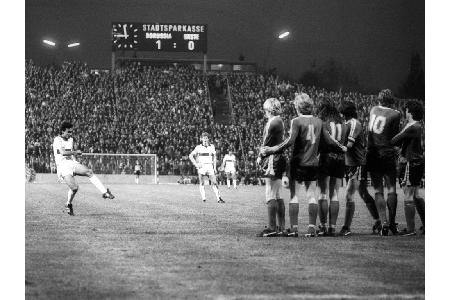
(281, 36)
(71, 45)
(50, 43)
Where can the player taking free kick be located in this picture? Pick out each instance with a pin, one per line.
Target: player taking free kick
(67, 167)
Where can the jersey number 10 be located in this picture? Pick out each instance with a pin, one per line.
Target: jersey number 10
(377, 123)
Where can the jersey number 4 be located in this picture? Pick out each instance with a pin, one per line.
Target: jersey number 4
(310, 136)
(376, 124)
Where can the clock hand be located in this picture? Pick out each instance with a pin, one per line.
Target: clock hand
(125, 31)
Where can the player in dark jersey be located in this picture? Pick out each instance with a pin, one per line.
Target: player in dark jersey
(412, 164)
(381, 157)
(305, 134)
(355, 160)
(273, 166)
(331, 166)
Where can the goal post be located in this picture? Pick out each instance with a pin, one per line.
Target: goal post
(120, 167)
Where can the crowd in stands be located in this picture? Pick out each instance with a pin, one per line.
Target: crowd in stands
(154, 110)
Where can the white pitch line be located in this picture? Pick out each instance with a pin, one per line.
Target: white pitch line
(321, 296)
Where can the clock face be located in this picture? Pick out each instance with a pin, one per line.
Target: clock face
(125, 36)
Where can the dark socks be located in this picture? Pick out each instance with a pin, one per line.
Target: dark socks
(272, 208)
(392, 206)
(281, 214)
(349, 212)
(312, 210)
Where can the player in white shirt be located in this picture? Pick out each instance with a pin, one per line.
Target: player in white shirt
(137, 171)
(204, 159)
(229, 164)
(67, 167)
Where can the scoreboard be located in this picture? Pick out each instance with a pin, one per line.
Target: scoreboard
(159, 37)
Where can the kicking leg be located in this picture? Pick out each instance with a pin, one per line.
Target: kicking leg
(82, 170)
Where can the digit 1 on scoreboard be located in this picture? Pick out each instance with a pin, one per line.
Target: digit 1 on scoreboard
(158, 43)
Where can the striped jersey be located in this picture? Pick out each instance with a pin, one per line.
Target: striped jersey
(355, 156)
(204, 154)
(60, 144)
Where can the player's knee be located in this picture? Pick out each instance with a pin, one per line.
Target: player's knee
(89, 173)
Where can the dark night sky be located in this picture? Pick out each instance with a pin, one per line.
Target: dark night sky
(375, 38)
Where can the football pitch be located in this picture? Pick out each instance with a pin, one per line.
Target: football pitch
(161, 241)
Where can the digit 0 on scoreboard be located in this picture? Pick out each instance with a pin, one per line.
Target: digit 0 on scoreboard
(159, 37)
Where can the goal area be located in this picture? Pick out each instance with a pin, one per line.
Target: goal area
(120, 168)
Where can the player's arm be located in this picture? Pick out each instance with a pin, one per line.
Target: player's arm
(354, 131)
(332, 142)
(192, 158)
(293, 132)
(407, 132)
(223, 162)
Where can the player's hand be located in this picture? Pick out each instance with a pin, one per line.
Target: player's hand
(198, 166)
(258, 160)
(285, 181)
(344, 148)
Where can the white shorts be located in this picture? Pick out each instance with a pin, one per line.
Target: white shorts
(66, 167)
(230, 170)
(206, 169)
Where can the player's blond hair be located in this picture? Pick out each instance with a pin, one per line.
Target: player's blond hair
(273, 106)
(303, 103)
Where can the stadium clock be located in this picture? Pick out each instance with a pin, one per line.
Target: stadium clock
(159, 37)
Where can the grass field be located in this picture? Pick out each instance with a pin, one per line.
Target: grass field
(161, 241)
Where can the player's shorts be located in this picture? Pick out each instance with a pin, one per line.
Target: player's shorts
(303, 173)
(411, 173)
(206, 170)
(331, 164)
(137, 172)
(273, 166)
(355, 172)
(231, 174)
(382, 164)
(66, 167)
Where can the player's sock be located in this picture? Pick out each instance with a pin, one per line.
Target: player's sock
(349, 212)
(216, 191)
(334, 212)
(369, 201)
(312, 211)
(410, 214)
(420, 206)
(137, 180)
(272, 208)
(228, 183)
(323, 211)
(202, 191)
(281, 211)
(234, 183)
(71, 195)
(381, 206)
(392, 206)
(293, 215)
(98, 184)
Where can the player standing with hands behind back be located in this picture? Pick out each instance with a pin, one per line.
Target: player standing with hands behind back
(203, 157)
(67, 167)
(382, 157)
(273, 166)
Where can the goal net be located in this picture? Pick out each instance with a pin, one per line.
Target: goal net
(120, 168)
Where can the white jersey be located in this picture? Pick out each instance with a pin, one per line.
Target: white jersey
(230, 163)
(137, 167)
(204, 154)
(60, 144)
